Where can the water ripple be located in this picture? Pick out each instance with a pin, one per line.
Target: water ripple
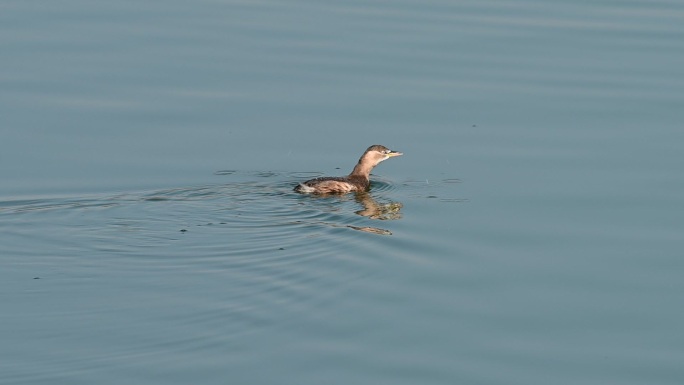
(262, 249)
(442, 190)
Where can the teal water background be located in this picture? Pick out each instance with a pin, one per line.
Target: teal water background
(531, 234)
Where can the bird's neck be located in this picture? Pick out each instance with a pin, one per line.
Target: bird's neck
(362, 169)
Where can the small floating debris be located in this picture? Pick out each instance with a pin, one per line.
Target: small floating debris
(36, 277)
(156, 199)
(183, 230)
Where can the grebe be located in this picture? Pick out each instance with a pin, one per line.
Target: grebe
(358, 180)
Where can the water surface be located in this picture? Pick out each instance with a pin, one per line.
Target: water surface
(529, 235)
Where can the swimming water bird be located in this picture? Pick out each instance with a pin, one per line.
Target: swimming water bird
(358, 180)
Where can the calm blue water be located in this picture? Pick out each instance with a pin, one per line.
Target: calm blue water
(531, 233)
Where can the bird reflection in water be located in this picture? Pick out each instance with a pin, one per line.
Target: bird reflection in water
(374, 210)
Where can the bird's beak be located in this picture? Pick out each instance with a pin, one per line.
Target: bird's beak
(395, 153)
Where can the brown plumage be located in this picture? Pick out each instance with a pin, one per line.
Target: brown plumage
(358, 180)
